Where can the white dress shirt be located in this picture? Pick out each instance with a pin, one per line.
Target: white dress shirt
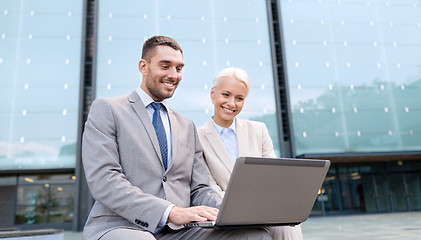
(147, 100)
(229, 137)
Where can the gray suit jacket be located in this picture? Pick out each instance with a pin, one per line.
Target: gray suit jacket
(124, 171)
(253, 140)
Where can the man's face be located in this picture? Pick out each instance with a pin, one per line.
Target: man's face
(162, 73)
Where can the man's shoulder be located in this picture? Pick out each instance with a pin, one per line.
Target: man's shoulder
(180, 117)
(110, 100)
(103, 105)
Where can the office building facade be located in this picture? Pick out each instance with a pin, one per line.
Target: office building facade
(332, 79)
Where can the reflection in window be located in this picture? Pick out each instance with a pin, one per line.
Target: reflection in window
(45, 199)
(353, 73)
(39, 84)
(32, 204)
(212, 36)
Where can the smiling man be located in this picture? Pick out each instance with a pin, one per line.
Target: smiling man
(143, 161)
(161, 67)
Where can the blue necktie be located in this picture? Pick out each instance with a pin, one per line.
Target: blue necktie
(160, 132)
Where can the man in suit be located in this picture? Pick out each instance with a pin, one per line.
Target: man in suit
(143, 161)
(225, 137)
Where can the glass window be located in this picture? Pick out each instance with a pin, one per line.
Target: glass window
(329, 196)
(45, 199)
(212, 36)
(31, 205)
(352, 190)
(40, 54)
(353, 73)
(413, 186)
(61, 203)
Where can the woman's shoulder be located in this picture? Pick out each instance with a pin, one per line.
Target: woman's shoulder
(250, 123)
(205, 128)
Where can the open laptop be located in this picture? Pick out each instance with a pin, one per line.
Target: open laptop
(269, 192)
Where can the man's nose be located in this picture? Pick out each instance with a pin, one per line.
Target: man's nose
(172, 73)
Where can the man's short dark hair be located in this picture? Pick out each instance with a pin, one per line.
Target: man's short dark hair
(154, 41)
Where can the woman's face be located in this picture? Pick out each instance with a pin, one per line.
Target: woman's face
(228, 99)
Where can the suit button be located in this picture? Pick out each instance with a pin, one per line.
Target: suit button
(164, 178)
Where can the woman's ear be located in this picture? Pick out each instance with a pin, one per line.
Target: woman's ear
(212, 94)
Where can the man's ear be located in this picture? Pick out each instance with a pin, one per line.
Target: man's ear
(142, 66)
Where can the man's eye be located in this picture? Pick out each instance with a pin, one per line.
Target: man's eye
(225, 94)
(179, 69)
(164, 66)
(240, 99)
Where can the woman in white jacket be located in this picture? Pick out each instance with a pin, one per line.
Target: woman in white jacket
(225, 137)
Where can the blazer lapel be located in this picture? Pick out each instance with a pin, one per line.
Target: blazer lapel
(242, 138)
(141, 112)
(174, 128)
(215, 140)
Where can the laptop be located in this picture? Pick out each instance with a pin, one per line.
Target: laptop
(269, 192)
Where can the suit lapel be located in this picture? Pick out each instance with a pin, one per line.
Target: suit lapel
(242, 138)
(141, 112)
(215, 140)
(174, 128)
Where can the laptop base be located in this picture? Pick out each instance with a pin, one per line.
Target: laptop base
(211, 224)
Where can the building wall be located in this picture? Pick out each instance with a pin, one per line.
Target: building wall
(213, 36)
(353, 74)
(351, 70)
(7, 201)
(40, 64)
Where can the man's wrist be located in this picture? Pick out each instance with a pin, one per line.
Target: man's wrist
(164, 218)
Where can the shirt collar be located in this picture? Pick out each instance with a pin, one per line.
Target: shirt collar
(219, 128)
(146, 99)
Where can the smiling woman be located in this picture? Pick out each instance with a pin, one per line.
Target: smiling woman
(225, 137)
(229, 91)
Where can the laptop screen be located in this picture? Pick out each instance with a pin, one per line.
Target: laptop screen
(271, 191)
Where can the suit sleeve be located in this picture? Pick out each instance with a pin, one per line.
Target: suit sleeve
(215, 185)
(267, 145)
(105, 177)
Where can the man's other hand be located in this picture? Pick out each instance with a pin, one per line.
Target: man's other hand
(180, 216)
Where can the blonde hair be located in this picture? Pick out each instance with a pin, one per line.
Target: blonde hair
(236, 73)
